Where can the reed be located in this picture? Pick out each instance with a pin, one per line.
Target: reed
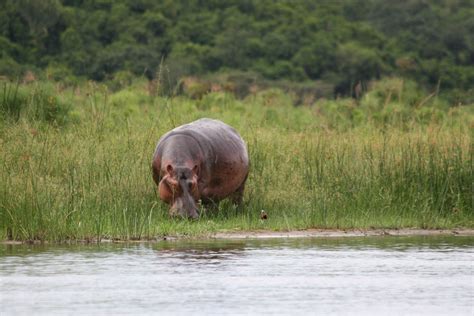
(332, 165)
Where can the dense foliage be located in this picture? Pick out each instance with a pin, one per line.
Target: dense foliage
(338, 42)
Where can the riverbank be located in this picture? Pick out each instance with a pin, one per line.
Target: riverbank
(262, 234)
(326, 233)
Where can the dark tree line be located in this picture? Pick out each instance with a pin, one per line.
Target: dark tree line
(339, 42)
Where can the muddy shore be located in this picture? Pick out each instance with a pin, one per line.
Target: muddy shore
(315, 233)
(264, 234)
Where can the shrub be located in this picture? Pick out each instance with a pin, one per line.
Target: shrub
(38, 103)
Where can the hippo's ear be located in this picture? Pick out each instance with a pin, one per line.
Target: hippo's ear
(169, 169)
(196, 170)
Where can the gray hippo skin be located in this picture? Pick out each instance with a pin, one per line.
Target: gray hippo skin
(204, 160)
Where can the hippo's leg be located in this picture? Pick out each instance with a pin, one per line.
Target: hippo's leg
(210, 204)
(238, 196)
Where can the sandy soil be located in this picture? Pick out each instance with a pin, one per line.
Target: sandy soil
(308, 233)
(343, 233)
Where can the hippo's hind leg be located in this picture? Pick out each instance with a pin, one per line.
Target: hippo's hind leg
(237, 197)
(210, 204)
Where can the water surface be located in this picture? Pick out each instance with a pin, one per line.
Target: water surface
(376, 275)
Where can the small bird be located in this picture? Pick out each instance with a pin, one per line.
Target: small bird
(263, 215)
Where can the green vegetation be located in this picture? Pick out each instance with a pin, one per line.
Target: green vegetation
(338, 43)
(75, 162)
(357, 113)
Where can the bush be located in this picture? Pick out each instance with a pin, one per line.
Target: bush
(38, 103)
(10, 68)
(61, 73)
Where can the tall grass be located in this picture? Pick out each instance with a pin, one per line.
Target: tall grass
(33, 102)
(336, 164)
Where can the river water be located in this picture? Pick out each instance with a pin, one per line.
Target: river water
(369, 275)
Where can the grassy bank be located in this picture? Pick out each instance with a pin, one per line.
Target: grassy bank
(75, 163)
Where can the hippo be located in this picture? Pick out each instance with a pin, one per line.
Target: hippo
(205, 160)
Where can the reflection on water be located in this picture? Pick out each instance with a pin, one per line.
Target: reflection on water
(383, 275)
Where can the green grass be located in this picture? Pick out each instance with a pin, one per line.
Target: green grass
(338, 164)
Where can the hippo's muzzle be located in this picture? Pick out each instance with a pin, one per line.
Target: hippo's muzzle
(184, 205)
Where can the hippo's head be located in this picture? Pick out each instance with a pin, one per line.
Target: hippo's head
(179, 187)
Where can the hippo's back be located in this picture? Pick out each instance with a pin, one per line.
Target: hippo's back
(215, 138)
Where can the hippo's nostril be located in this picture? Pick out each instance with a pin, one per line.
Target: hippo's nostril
(193, 214)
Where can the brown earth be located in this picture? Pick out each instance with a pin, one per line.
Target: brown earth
(314, 233)
(308, 233)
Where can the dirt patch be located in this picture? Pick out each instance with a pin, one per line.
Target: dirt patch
(313, 233)
(264, 234)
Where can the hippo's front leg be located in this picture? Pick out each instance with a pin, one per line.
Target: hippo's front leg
(165, 190)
